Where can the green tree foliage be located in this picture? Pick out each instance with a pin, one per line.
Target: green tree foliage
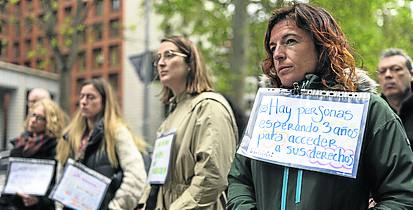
(210, 24)
(209, 21)
(370, 26)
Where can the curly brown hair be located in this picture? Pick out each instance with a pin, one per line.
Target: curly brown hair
(336, 64)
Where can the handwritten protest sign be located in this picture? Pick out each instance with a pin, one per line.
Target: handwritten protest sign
(80, 187)
(29, 176)
(316, 130)
(161, 158)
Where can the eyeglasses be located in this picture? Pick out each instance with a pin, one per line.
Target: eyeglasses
(39, 118)
(168, 54)
(393, 69)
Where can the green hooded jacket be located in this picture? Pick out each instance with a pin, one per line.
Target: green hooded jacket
(385, 173)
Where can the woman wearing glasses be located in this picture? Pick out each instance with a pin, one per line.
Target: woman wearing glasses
(45, 122)
(99, 138)
(204, 128)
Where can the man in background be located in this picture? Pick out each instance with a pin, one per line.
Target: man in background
(395, 77)
(37, 94)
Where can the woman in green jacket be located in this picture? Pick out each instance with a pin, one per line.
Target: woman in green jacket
(304, 44)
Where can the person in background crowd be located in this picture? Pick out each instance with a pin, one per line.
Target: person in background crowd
(37, 94)
(304, 44)
(205, 131)
(395, 75)
(99, 138)
(45, 122)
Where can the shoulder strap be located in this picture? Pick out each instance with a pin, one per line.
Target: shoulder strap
(220, 99)
(211, 96)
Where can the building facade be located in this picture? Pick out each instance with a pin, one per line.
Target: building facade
(113, 31)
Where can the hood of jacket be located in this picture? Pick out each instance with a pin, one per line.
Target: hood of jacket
(311, 81)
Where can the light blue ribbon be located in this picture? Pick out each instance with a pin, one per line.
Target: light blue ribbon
(284, 189)
(298, 186)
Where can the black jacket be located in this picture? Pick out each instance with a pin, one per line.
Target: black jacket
(406, 115)
(97, 159)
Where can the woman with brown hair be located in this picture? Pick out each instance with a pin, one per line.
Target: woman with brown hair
(306, 47)
(204, 128)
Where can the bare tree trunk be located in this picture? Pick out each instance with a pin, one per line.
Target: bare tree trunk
(64, 60)
(239, 51)
(64, 89)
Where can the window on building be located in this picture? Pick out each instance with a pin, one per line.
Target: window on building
(17, 28)
(28, 22)
(16, 50)
(115, 5)
(54, 13)
(29, 5)
(40, 42)
(3, 9)
(113, 80)
(114, 55)
(82, 35)
(28, 45)
(40, 64)
(3, 28)
(97, 58)
(68, 11)
(41, 15)
(18, 9)
(3, 48)
(98, 31)
(81, 58)
(114, 26)
(99, 8)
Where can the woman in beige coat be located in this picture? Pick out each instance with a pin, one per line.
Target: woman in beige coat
(205, 132)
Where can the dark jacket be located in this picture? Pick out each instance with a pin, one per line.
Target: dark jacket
(406, 115)
(46, 151)
(97, 159)
(385, 172)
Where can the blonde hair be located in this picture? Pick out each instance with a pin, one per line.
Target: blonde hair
(199, 79)
(56, 119)
(111, 118)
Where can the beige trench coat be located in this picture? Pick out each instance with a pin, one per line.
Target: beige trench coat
(204, 148)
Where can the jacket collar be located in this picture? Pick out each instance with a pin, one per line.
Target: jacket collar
(98, 132)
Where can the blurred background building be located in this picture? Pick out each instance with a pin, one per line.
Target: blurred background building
(113, 32)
